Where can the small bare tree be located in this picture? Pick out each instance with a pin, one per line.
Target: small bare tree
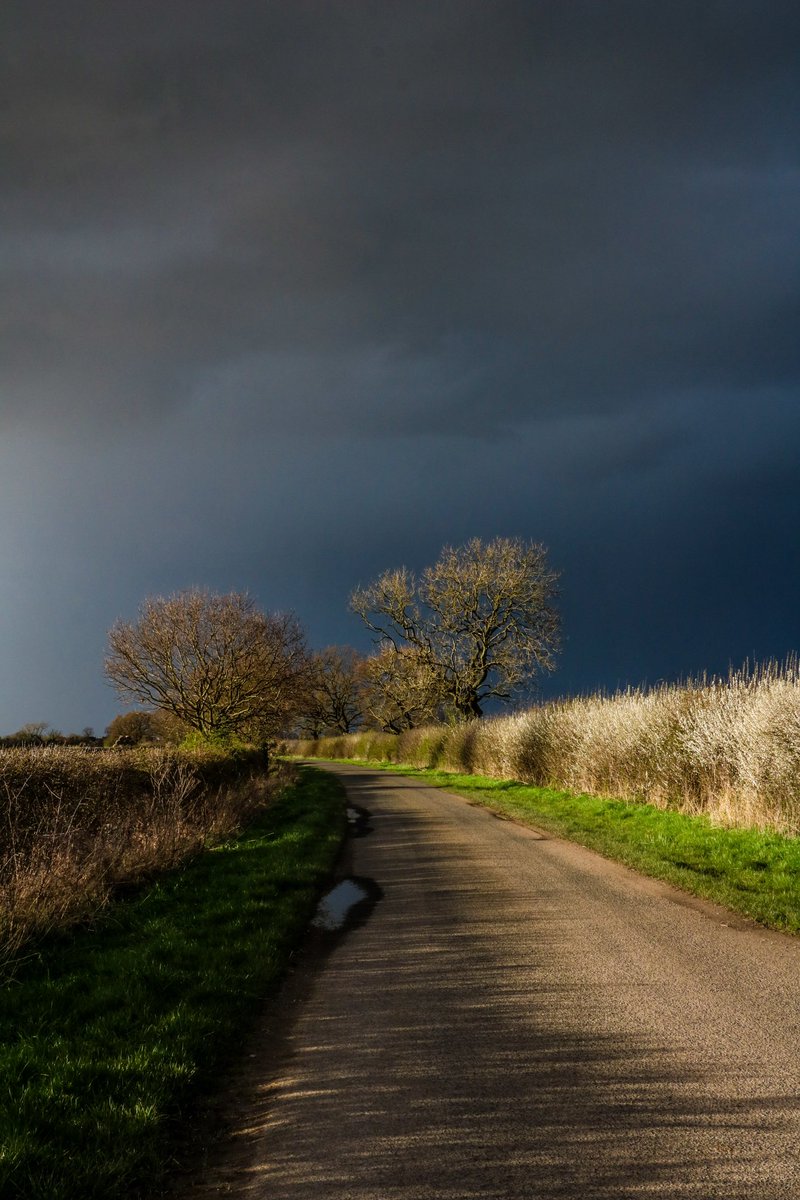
(132, 728)
(158, 727)
(33, 733)
(334, 701)
(216, 662)
(401, 690)
(480, 621)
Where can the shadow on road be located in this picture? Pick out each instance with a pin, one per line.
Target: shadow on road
(450, 1049)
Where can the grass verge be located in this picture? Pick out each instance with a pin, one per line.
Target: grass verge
(752, 872)
(109, 1035)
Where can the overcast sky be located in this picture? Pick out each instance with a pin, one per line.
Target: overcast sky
(295, 292)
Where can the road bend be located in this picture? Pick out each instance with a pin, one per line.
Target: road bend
(518, 1017)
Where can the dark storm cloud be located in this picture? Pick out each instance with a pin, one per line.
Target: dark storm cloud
(339, 214)
(298, 291)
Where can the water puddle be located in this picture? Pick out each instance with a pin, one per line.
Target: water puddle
(345, 905)
(357, 821)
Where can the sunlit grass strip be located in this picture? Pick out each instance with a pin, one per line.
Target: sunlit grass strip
(754, 873)
(112, 1034)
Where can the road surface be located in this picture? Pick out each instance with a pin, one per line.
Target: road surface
(518, 1017)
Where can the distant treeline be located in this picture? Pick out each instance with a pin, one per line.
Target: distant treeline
(127, 729)
(41, 735)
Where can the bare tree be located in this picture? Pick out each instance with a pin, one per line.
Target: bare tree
(34, 732)
(335, 686)
(132, 727)
(216, 662)
(401, 690)
(139, 725)
(480, 621)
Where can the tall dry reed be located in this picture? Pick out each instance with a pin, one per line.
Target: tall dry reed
(728, 747)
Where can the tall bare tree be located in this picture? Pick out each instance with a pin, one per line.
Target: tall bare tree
(216, 662)
(481, 621)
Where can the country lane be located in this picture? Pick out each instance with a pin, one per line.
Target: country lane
(518, 1018)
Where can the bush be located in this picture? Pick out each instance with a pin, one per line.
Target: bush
(79, 823)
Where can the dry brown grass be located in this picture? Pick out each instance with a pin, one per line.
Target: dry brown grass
(79, 824)
(729, 748)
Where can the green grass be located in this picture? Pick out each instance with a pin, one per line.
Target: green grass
(753, 873)
(112, 1035)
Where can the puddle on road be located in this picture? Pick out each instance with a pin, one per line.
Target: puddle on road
(333, 908)
(351, 900)
(345, 905)
(357, 821)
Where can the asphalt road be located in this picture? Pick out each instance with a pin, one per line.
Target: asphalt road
(518, 1017)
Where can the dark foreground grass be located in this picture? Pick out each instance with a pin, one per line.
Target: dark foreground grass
(753, 873)
(111, 1035)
